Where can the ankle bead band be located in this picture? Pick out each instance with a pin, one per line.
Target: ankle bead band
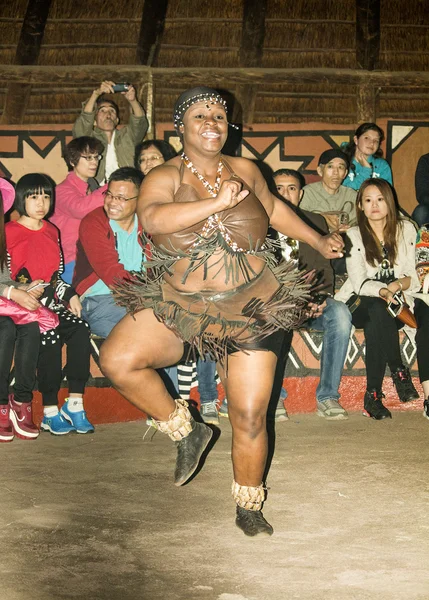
(250, 498)
(179, 423)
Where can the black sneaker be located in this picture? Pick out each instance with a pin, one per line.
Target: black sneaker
(404, 385)
(426, 408)
(252, 522)
(374, 406)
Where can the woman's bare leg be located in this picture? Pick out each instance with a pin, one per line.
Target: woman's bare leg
(134, 349)
(248, 387)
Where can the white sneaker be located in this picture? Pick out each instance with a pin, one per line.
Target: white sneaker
(209, 413)
(331, 410)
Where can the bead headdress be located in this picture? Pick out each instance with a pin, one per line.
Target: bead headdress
(190, 97)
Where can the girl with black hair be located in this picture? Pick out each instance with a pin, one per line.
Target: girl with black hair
(16, 341)
(33, 252)
(364, 154)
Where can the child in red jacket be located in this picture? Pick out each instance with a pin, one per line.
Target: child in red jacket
(33, 252)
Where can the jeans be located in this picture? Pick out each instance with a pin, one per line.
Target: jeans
(206, 372)
(102, 313)
(23, 341)
(336, 324)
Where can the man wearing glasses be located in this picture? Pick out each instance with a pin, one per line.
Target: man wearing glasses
(100, 118)
(108, 248)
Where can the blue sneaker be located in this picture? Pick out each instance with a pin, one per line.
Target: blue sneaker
(77, 419)
(56, 425)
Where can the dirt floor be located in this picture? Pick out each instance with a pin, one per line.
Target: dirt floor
(99, 518)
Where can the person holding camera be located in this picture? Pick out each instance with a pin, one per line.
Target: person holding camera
(100, 118)
(382, 275)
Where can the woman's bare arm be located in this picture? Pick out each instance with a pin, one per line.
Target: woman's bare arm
(283, 218)
(159, 213)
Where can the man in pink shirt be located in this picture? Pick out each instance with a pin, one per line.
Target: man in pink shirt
(74, 198)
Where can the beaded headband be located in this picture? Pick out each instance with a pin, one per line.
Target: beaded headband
(190, 97)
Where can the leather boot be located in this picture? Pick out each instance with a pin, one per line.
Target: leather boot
(189, 452)
(191, 439)
(252, 522)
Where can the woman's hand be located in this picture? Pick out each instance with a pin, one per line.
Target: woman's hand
(24, 299)
(330, 246)
(387, 295)
(75, 306)
(361, 159)
(231, 193)
(34, 289)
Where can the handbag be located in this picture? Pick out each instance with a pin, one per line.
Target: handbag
(406, 316)
(354, 301)
(22, 316)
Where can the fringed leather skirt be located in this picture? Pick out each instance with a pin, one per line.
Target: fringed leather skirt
(218, 323)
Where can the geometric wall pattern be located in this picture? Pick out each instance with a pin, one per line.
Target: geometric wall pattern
(297, 146)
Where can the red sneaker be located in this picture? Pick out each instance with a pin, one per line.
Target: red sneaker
(6, 430)
(21, 416)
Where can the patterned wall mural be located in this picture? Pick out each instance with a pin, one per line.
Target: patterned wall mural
(24, 150)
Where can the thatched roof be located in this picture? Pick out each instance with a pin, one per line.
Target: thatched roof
(357, 55)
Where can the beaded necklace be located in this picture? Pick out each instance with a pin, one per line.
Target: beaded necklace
(213, 222)
(213, 190)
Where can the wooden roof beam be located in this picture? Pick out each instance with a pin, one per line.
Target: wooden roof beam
(250, 55)
(27, 53)
(151, 30)
(148, 46)
(367, 56)
(76, 75)
(368, 34)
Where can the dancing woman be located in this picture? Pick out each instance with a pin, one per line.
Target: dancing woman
(215, 290)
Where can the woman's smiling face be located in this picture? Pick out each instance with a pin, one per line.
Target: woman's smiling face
(205, 126)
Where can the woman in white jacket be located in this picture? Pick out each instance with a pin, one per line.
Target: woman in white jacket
(381, 263)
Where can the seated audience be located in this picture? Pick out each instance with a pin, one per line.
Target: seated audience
(108, 248)
(100, 118)
(151, 153)
(16, 341)
(334, 318)
(329, 197)
(73, 197)
(364, 154)
(421, 212)
(34, 253)
(382, 264)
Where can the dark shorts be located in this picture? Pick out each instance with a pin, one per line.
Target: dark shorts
(272, 343)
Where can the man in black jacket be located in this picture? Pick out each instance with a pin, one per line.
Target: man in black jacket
(335, 317)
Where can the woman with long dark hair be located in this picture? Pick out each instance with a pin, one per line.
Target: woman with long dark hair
(380, 266)
(365, 154)
(213, 288)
